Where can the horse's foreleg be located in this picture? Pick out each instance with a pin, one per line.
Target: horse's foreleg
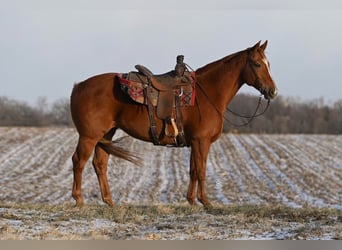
(193, 180)
(199, 154)
(100, 163)
(83, 151)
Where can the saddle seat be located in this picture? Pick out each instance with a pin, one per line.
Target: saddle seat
(166, 84)
(167, 81)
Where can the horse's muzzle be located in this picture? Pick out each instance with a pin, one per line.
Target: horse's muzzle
(269, 93)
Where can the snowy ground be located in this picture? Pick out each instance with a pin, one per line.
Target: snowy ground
(291, 170)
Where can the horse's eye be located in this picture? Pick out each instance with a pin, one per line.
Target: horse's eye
(256, 64)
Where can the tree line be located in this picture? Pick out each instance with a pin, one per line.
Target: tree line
(284, 115)
(18, 113)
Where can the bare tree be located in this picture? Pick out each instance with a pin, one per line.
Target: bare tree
(285, 115)
(60, 113)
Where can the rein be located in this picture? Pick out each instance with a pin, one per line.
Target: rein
(250, 118)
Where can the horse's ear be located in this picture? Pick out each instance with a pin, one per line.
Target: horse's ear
(263, 47)
(256, 46)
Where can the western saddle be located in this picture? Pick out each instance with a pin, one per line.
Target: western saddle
(167, 84)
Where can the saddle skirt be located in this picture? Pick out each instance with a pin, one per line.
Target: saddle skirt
(135, 85)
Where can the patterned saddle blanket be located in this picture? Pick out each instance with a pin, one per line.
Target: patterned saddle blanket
(135, 83)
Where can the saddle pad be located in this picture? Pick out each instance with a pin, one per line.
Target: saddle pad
(135, 89)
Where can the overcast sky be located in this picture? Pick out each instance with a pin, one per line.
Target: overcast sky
(46, 47)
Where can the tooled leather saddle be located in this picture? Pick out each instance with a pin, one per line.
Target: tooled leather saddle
(164, 91)
(166, 84)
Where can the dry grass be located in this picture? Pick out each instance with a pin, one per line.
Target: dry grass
(167, 222)
(278, 172)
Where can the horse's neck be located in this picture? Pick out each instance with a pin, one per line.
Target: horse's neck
(221, 79)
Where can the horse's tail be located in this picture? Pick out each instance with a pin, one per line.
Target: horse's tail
(111, 148)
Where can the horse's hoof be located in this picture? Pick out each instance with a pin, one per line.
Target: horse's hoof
(79, 204)
(206, 204)
(109, 203)
(192, 202)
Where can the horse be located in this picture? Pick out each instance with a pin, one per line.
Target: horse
(99, 107)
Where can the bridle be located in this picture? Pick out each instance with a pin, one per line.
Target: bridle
(249, 117)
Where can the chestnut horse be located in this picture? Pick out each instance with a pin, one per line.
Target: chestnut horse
(99, 107)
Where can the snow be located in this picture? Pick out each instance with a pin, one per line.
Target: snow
(290, 170)
(294, 170)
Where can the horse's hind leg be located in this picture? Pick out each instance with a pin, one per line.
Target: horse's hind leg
(83, 151)
(100, 163)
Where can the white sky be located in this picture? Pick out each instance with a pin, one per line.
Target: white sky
(47, 46)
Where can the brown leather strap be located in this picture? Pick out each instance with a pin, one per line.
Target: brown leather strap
(153, 127)
(180, 140)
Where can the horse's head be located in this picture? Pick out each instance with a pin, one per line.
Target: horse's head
(257, 71)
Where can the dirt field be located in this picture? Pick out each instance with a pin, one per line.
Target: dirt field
(259, 184)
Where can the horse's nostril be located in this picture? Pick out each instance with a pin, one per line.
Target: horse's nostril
(269, 93)
(273, 93)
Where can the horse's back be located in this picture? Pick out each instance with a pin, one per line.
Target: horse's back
(95, 83)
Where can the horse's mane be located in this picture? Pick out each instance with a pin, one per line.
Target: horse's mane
(224, 60)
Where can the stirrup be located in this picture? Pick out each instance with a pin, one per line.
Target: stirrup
(175, 131)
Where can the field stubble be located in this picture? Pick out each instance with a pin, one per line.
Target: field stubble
(262, 186)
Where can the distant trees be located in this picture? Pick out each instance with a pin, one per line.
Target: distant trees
(60, 113)
(285, 115)
(17, 113)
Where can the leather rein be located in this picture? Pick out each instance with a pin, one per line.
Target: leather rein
(249, 117)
